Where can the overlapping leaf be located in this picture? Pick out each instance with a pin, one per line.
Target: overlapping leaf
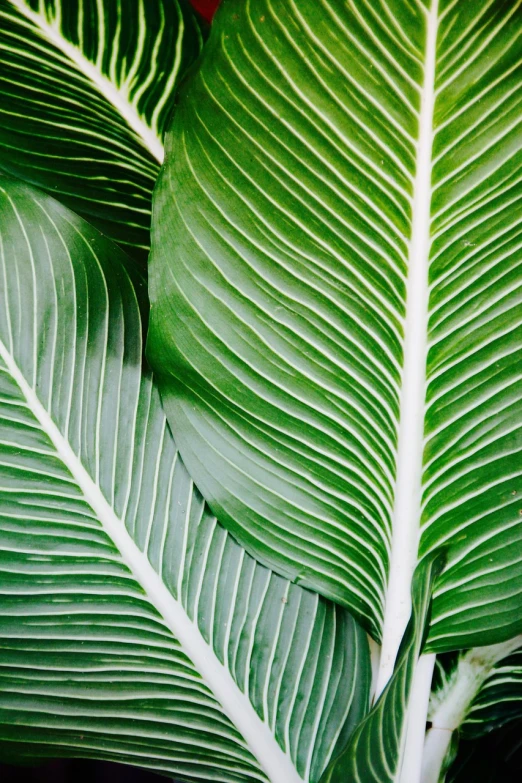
(470, 696)
(133, 626)
(279, 257)
(87, 88)
(343, 211)
(499, 700)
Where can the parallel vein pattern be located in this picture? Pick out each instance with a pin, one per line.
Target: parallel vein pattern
(278, 281)
(473, 455)
(87, 88)
(70, 600)
(88, 669)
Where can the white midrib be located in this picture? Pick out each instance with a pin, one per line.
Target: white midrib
(258, 737)
(406, 514)
(104, 85)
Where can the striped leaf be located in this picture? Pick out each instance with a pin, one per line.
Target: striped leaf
(336, 289)
(376, 751)
(87, 87)
(133, 626)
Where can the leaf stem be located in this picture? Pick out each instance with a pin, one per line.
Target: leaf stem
(416, 721)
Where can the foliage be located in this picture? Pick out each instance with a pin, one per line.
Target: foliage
(245, 563)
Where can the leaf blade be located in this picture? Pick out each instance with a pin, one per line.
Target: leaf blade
(277, 243)
(472, 456)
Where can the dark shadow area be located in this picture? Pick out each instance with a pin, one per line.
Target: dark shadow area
(493, 758)
(77, 771)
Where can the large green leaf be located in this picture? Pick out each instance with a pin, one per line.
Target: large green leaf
(87, 87)
(133, 626)
(336, 288)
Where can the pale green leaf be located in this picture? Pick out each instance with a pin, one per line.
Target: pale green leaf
(133, 626)
(87, 87)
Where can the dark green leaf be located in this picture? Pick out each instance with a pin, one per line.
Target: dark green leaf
(336, 300)
(87, 87)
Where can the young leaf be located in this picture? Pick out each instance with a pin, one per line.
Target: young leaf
(87, 88)
(375, 752)
(133, 625)
(336, 286)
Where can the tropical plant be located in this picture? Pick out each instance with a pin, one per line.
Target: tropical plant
(292, 550)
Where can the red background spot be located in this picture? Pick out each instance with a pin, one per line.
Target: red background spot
(205, 7)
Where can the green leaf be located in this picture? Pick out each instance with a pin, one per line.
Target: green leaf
(133, 626)
(87, 88)
(376, 750)
(336, 289)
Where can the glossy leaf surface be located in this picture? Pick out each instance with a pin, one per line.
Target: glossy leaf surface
(336, 312)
